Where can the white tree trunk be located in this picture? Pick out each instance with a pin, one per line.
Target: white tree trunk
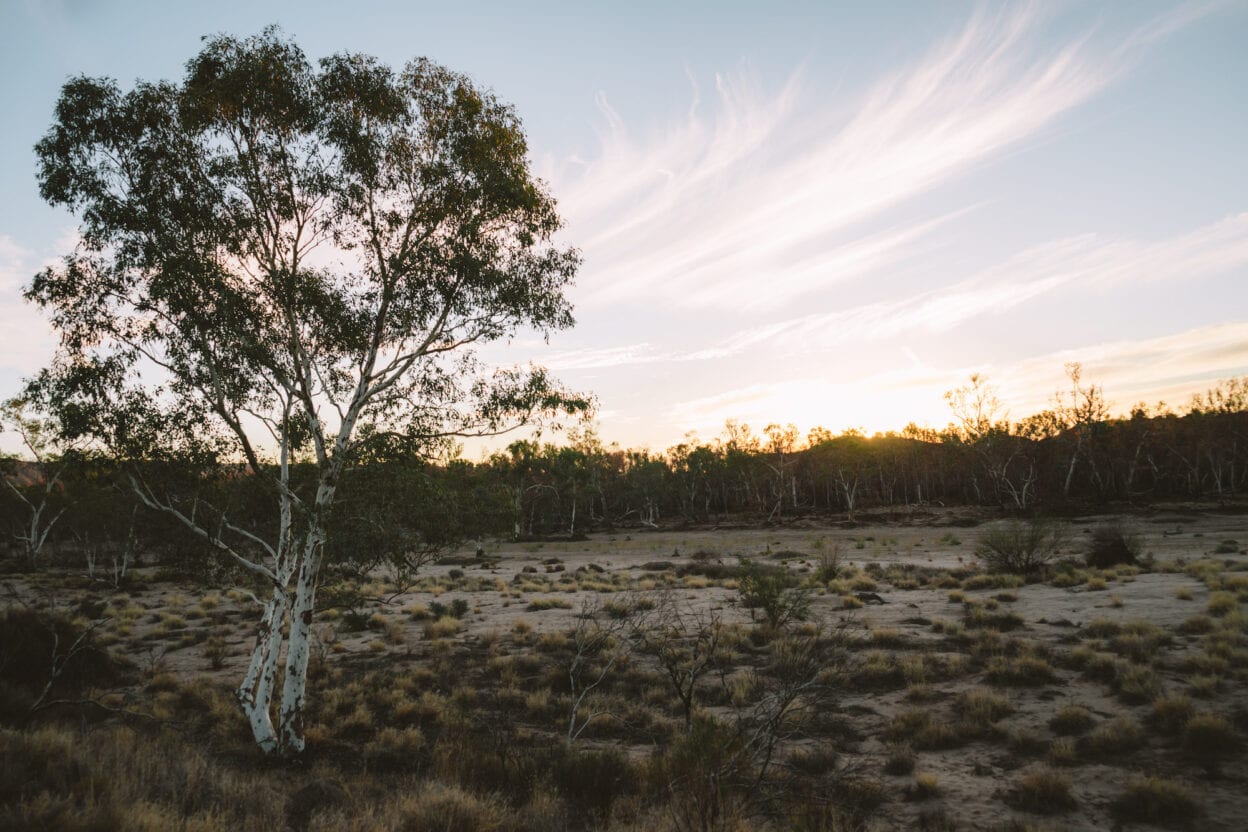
(298, 649)
(255, 694)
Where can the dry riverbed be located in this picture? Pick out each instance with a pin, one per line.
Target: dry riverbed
(1084, 699)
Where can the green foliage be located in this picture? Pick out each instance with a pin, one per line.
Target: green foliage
(773, 591)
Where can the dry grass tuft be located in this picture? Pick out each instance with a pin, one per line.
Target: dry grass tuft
(1043, 791)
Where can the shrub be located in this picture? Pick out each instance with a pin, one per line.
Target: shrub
(539, 604)
(1221, 603)
(1119, 736)
(1209, 738)
(451, 809)
(899, 759)
(926, 785)
(444, 627)
(1110, 546)
(1043, 791)
(1063, 752)
(1020, 546)
(591, 781)
(1137, 684)
(703, 771)
(1071, 720)
(976, 617)
(1158, 801)
(1020, 671)
(31, 642)
(922, 730)
(772, 590)
(1171, 713)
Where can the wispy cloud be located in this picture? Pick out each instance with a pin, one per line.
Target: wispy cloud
(592, 359)
(757, 203)
(1089, 261)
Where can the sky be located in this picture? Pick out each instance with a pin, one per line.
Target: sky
(818, 213)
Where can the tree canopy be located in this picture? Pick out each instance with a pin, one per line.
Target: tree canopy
(284, 261)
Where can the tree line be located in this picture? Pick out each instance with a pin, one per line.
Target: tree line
(1074, 455)
(408, 509)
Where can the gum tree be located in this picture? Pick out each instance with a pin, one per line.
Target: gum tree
(287, 266)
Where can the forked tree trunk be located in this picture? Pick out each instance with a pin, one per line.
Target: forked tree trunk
(255, 694)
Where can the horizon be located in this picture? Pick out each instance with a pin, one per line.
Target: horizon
(825, 218)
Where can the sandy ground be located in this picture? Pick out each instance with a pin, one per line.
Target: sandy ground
(974, 779)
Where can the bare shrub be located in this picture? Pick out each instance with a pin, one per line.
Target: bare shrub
(1020, 546)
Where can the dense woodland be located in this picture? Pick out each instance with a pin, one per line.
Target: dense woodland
(1071, 458)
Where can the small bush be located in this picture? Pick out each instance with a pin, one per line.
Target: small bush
(592, 781)
(900, 759)
(1119, 736)
(926, 785)
(922, 730)
(444, 627)
(1020, 546)
(30, 641)
(977, 617)
(1137, 684)
(1020, 671)
(540, 604)
(1071, 720)
(1158, 801)
(1221, 604)
(1171, 713)
(1063, 752)
(1043, 791)
(772, 590)
(1110, 546)
(1209, 738)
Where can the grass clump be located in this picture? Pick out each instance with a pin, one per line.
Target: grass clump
(540, 604)
(900, 758)
(444, 627)
(1158, 801)
(1020, 671)
(1043, 791)
(1071, 720)
(1119, 736)
(1171, 713)
(922, 730)
(926, 786)
(1221, 604)
(1209, 738)
(1063, 751)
